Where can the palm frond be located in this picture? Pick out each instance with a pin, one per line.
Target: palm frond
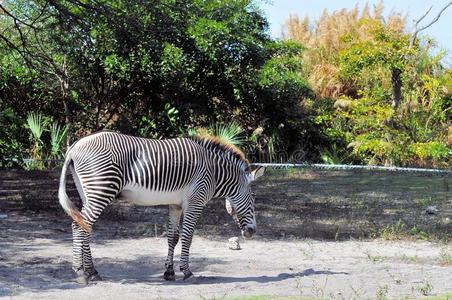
(58, 135)
(36, 125)
(229, 133)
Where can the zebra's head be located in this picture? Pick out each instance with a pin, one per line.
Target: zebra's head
(240, 205)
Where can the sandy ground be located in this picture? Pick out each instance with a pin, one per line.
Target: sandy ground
(35, 243)
(39, 267)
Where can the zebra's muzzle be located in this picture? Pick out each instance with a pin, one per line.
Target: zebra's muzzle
(248, 231)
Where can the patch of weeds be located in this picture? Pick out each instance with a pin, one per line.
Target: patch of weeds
(418, 233)
(393, 232)
(425, 288)
(374, 258)
(382, 292)
(424, 201)
(397, 280)
(399, 231)
(445, 257)
(406, 258)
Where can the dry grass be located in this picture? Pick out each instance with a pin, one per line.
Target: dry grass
(325, 38)
(445, 257)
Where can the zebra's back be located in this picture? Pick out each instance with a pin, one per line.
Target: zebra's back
(151, 172)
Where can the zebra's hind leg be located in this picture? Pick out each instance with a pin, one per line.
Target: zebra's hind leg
(81, 256)
(82, 259)
(175, 213)
(78, 237)
(82, 262)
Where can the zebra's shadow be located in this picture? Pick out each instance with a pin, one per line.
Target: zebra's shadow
(259, 279)
(141, 276)
(146, 269)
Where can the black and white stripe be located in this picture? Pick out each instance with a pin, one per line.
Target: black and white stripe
(184, 173)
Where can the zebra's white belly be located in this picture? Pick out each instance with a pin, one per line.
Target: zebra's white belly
(142, 196)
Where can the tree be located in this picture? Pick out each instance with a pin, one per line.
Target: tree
(382, 96)
(331, 34)
(386, 49)
(30, 33)
(154, 68)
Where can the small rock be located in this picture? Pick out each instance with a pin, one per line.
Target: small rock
(431, 210)
(3, 216)
(233, 243)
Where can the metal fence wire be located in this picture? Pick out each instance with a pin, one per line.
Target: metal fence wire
(352, 168)
(55, 163)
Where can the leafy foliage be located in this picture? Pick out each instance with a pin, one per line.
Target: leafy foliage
(11, 147)
(156, 69)
(356, 84)
(57, 139)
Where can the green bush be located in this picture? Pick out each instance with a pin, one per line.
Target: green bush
(11, 146)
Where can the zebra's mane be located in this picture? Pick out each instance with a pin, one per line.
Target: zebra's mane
(215, 143)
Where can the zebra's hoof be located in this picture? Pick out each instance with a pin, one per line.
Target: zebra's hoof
(187, 274)
(82, 277)
(169, 275)
(95, 277)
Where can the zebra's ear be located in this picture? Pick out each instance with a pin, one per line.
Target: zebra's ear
(256, 173)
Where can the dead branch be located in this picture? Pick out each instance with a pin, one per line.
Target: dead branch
(416, 30)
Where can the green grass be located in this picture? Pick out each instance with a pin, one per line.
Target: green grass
(447, 296)
(265, 297)
(375, 258)
(380, 295)
(395, 231)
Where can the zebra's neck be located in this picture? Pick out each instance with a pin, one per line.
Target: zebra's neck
(227, 172)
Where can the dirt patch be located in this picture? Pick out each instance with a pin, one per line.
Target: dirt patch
(293, 208)
(35, 261)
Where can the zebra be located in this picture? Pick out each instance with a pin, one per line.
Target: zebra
(184, 173)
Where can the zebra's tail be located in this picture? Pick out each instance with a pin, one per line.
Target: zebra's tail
(68, 206)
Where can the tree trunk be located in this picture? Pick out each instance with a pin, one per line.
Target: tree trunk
(396, 81)
(64, 85)
(68, 121)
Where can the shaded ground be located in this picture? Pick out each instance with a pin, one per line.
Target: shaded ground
(344, 204)
(36, 253)
(304, 204)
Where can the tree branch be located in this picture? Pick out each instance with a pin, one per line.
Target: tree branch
(16, 19)
(417, 30)
(421, 18)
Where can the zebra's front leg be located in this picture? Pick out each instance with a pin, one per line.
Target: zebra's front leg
(191, 216)
(175, 212)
